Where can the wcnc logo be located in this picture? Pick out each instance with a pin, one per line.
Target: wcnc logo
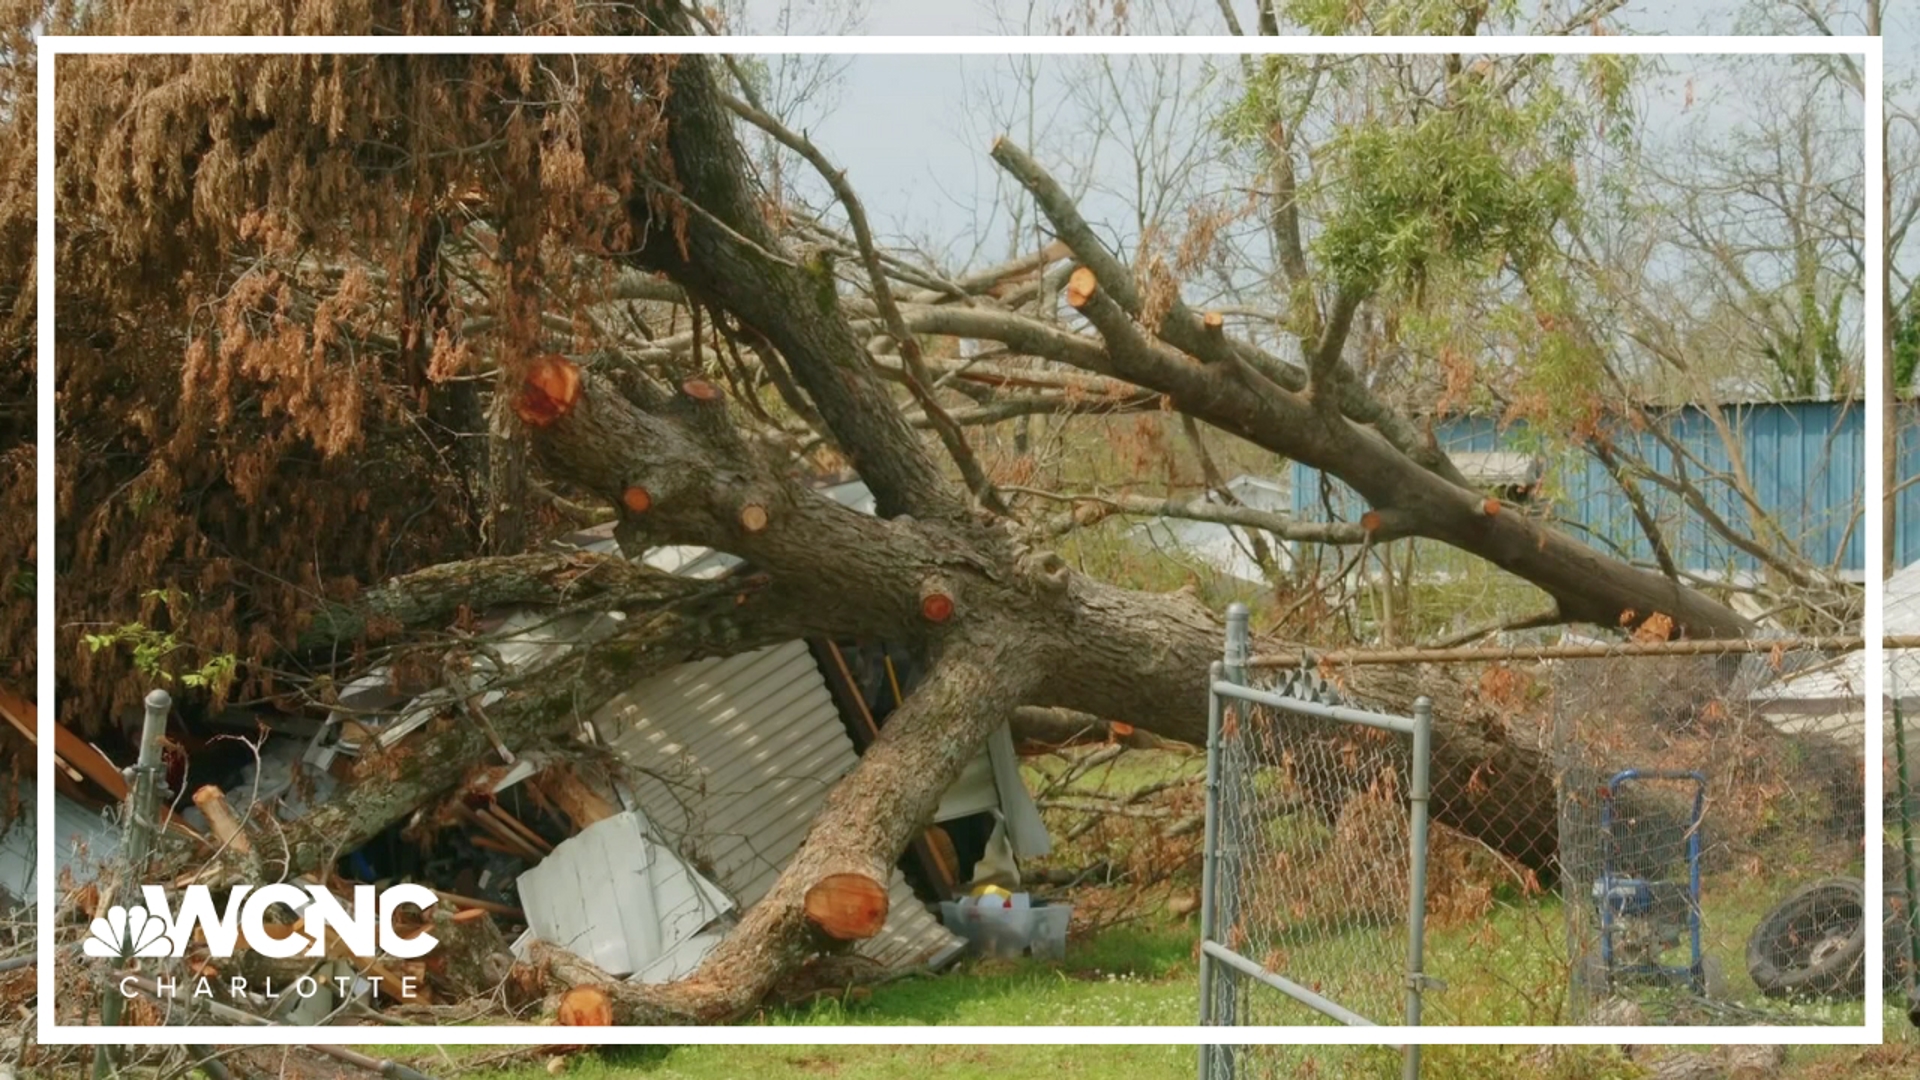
(365, 928)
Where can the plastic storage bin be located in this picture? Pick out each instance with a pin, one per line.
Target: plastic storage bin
(998, 929)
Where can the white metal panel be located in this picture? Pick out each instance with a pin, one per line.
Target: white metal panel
(992, 782)
(611, 895)
(1490, 468)
(1262, 492)
(975, 792)
(731, 760)
(1025, 831)
(1830, 695)
(85, 841)
(1903, 617)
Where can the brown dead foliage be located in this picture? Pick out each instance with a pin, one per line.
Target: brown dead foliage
(279, 279)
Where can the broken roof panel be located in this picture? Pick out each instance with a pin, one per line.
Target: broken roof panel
(732, 760)
(616, 896)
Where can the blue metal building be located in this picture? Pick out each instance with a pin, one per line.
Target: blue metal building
(1806, 461)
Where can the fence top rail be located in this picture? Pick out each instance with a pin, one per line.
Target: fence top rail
(1300, 706)
(1285, 985)
(1596, 651)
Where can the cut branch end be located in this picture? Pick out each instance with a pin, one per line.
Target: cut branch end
(936, 602)
(847, 907)
(637, 499)
(754, 517)
(551, 390)
(1082, 286)
(585, 1006)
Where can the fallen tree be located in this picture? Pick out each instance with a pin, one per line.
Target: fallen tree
(948, 567)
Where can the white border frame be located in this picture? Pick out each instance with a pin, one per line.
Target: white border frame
(1870, 1033)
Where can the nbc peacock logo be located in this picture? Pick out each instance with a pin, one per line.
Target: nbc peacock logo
(126, 932)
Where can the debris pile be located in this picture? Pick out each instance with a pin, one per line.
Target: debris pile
(633, 846)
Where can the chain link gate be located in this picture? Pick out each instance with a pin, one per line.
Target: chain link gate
(1314, 876)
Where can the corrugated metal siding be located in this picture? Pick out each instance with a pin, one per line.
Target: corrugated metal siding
(613, 895)
(1907, 504)
(85, 841)
(1806, 460)
(732, 760)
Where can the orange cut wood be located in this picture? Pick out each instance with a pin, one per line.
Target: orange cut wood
(847, 907)
(1491, 507)
(754, 517)
(637, 499)
(220, 818)
(1081, 286)
(1370, 520)
(585, 1006)
(700, 390)
(936, 607)
(551, 390)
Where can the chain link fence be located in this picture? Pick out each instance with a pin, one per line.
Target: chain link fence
(1900, 876)
(1711, 840)
(1313, 897)
(1671, 839)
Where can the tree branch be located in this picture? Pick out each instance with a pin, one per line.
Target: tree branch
(1089, 509)
(721, 254)
(918, 381)
(1188, 332)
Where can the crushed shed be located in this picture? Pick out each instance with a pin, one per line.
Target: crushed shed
(732, 759)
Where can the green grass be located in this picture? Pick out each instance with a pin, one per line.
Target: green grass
(1028, 1062)
(1508, 968)
(1130, 975)
(1133, 1062)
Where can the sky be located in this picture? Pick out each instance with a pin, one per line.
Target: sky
(913, 131)
(941, 17)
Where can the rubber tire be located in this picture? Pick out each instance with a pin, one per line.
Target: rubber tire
(1842, 974)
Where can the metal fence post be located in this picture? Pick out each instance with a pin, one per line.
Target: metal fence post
(1239, 643)
(1227, 889)
(1209, 856)
(141, 823)
(1912, 921)
(138, 842)
(1417, 873)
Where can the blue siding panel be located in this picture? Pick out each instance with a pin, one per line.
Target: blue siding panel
(1907, 503)
(1806, 461)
